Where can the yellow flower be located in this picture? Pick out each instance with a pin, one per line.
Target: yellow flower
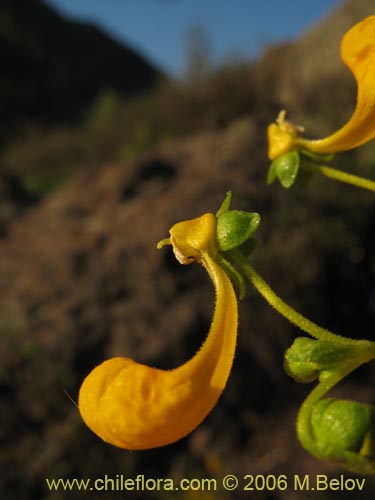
(135, 406)
(358, 53)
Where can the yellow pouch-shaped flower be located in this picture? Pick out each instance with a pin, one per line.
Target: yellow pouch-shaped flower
(135, 406)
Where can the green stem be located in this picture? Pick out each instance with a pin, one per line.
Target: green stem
(338, 175)
(362, 352)
(288, 312)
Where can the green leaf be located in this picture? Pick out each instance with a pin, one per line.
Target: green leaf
(286, 168)
(234, 228)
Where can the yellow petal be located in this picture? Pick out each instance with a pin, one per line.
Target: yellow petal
(134, 406)
(358, 53)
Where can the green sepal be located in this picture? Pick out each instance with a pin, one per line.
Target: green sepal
(309, 359)
(271, 174)
(319, 158)
(235, 276)
(341, 425)
(234, 230)
(234, 227)
(285, 168)
(224, 207)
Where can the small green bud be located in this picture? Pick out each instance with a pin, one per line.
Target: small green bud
(340, 425)
(309, 359)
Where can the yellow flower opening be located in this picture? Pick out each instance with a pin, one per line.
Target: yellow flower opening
(135, 406)
(358, 53)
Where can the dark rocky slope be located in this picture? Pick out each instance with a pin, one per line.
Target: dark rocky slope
(52, 68)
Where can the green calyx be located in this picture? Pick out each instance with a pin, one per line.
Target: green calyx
(285, 168)
(234, 227)
(295, 166)
(234, 231)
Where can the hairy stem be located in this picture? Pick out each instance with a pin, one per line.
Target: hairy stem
(284, 309)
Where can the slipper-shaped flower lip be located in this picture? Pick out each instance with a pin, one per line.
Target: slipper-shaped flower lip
(135, 406)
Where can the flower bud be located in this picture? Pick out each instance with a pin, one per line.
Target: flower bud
(340, 426)
(309, 359)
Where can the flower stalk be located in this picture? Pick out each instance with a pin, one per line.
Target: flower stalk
(339, 175)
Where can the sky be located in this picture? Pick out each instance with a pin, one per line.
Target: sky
(159, 29)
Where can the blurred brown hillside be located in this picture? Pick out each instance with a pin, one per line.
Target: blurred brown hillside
(115, 127)
(81, 279)
(52, 68)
